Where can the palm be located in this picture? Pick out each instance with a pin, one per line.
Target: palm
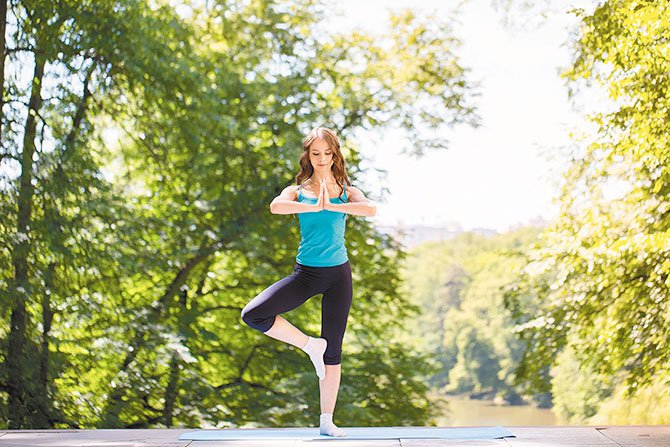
(323, 195)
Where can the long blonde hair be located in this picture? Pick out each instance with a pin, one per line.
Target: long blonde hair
(338, 169)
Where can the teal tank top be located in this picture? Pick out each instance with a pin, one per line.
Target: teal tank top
(322, 235)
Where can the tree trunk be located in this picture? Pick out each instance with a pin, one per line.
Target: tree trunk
(22, 372)
(171, 391)
(3, 26)
(47, 318)
(115, 402)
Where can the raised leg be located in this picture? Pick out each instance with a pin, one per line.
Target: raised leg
(262, 313)
(284, 331)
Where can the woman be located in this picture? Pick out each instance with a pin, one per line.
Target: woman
(322, 264)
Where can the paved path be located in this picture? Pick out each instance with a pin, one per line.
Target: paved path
(625, 436)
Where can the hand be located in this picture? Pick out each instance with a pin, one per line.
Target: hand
(319, 202)
(326, 196)
(323, 201)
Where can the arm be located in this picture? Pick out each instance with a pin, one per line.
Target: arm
(287, 203)
(358, 204)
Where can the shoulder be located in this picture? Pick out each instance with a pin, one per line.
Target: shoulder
(290, 188)
(290, 192)
(355, 194)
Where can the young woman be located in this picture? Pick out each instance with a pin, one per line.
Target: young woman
(322, 200)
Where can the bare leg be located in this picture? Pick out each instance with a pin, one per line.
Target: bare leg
(329, 387)
(284, 331)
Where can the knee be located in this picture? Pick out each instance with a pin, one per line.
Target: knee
(257, 322)
(248, 317)
(334, 359)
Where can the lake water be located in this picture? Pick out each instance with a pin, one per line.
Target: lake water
(462, 411)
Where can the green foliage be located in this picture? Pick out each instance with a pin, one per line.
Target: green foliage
(577, 391)
(598, 282)
(649, 406)
(458, 284)
(139, 225)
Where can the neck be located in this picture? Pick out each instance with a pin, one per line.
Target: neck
(316, 177)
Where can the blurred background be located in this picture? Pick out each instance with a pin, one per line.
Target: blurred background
(516, 272)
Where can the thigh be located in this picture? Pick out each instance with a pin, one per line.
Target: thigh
(282, 296)
(336, 304)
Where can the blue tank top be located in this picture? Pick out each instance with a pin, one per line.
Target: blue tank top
(322, 235)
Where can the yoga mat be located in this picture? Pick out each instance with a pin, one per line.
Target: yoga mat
(352, 433)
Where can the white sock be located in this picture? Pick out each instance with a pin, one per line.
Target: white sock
(328, 428)
(315, 347)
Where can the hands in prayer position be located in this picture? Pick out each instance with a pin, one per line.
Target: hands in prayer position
(323, 202)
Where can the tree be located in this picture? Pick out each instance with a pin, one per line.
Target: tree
(458, 284)
(129, 258)
(598, 282)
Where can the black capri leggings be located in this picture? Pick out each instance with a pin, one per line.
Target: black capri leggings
(290, 292)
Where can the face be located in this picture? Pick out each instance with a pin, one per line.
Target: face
(320, 155)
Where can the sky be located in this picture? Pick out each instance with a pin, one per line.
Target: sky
(504, 173)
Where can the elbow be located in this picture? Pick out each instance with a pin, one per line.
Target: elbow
(272, 208)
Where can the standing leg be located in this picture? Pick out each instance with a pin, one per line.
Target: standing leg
(335, 308)
(329, 388)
